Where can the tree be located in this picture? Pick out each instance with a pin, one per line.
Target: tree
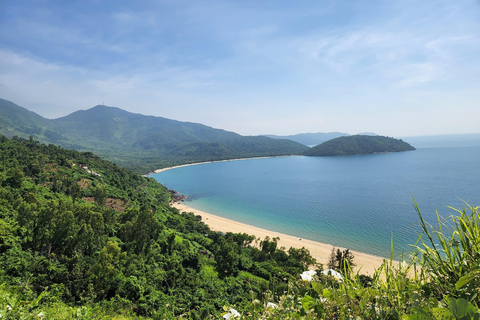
(341, 260)
(332, 261)
(14, 177)
(100, 195)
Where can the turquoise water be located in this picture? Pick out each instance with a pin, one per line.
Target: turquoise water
(358, 202)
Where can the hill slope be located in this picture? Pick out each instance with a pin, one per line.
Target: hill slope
(18, 121)
(86, 231)
(359, 144)
(140, 142)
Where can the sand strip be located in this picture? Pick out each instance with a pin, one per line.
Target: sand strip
(320, 251)
(197, 163)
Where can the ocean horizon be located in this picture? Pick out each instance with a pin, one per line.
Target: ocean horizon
(359, 202)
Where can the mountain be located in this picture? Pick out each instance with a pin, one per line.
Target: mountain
(359, 144)
(143, 143)
(18, 121)
(311, 139)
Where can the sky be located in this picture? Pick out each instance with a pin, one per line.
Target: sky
(396, 68)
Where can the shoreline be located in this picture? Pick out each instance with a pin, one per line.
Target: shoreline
(214, 161)
(366, 263)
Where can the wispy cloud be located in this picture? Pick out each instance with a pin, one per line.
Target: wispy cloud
(337, 64)
(415, 74)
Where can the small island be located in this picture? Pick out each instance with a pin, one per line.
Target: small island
(359, 144)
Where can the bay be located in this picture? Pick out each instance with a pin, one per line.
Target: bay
(357, 202)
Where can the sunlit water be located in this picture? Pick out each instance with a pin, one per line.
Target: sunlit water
(358, 202)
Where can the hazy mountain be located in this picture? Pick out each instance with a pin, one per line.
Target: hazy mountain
(359, 144)
(139, 141)
(311, 139)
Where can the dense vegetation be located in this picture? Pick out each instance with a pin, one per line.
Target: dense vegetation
(145, 143)
(80, 236)
(359, 144)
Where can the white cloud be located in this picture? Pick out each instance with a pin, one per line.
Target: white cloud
(245, 66)
(416, 74)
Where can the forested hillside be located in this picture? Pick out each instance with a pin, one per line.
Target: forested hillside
(141, 143)
(76, 230)
(359, 144)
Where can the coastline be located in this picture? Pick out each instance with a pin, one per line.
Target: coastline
(366, 263)
(214, 161)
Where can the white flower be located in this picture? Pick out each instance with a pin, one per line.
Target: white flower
(323, 299)
(271, 305)
(40, 315)
(308, 275)
(334, 274)
(8, 307)
(232, 314)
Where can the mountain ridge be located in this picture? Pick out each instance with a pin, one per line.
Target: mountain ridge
(140, 142)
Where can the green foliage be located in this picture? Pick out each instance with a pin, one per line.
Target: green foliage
(102, 242)
(68, 252)
(359, 144)
(141, 143)
(451, 253)
(441, 283)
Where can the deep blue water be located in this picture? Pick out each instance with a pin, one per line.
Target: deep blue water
(358, 202)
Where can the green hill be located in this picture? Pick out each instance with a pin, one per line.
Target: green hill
(359, 144)
(142, 143)
(18, 121)
(81, 231)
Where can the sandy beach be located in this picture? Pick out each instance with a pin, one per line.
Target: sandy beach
(366, 263)
(198, 163)
(320, 251)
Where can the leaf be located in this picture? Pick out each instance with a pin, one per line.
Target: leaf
(442, 314)
(327, 293)
(317, 287)
(462, 309)
(458, 307)
(464, 280)
(308, 302)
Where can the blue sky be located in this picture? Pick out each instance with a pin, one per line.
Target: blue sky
(397, 68)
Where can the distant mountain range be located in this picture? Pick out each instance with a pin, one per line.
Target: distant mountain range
(313, 139)
(144, 143)
(141, 142)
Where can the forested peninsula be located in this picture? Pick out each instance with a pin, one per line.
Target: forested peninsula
(359, 144)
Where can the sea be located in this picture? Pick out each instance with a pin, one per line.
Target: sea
(363, 202)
